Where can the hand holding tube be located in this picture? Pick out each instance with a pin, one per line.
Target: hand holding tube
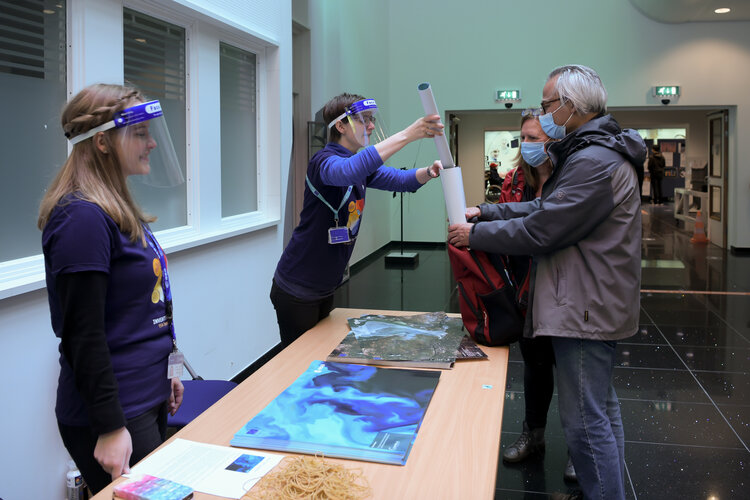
(472, 212)
(434, 170)
(458, 234)
(429, 172)
(425, 128)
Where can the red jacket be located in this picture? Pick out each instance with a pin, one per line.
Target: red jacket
(513, 184)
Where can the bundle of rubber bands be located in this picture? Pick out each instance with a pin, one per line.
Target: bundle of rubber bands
(311, 478)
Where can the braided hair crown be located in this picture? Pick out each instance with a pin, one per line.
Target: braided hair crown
(94, 106)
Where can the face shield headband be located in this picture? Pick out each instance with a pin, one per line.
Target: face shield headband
(146, 147)
(366, 127)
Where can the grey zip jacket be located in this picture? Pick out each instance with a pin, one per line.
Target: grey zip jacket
(583, 233)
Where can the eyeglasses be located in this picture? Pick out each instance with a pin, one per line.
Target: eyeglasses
(531, 112)
(367, 119)
(544, 104)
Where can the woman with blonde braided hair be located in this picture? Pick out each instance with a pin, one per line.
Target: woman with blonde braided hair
(108, 287)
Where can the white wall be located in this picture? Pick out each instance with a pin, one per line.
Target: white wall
(31, 446)
(350, 54)
(468, 49)
(223, 316)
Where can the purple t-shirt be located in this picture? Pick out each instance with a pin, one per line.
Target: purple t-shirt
(310, 268)
(78, 237)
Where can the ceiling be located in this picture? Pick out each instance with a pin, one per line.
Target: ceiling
(690, 11)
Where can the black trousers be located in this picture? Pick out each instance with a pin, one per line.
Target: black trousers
(296, 316)
(538, 378)
(147, 431)
(656, 186)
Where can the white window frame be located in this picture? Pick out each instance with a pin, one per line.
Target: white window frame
(249, 218)
(188, 24)
(204, 221)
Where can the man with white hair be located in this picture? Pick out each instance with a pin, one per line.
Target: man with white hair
(584, 235)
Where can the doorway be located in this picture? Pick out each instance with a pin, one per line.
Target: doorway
(717, 177)
(694, 155)
(301, 96)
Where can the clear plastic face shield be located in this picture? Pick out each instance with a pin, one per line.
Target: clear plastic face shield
(364, 121)
(145, 146)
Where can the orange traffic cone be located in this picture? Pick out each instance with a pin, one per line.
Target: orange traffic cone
(699, 230)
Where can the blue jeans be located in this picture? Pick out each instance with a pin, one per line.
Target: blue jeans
(590, 415)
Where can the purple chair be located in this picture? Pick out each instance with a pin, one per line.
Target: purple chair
(199, 395)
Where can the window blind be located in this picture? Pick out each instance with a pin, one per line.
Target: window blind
(32, 38)
(154, 59)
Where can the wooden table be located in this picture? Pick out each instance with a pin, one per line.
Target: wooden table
(455, 453)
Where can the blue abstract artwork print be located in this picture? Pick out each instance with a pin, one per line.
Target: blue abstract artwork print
(347, 411)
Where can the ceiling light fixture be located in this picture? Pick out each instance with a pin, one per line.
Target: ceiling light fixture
(722, 10)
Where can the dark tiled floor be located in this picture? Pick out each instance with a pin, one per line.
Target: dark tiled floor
(683, 380)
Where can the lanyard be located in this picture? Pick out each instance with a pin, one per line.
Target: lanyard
(165, 280)
(320, 197)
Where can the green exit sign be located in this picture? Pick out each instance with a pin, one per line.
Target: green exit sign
(508, 95)
(667, 91)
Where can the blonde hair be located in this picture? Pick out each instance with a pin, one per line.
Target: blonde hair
(531, 175)
(90, 174)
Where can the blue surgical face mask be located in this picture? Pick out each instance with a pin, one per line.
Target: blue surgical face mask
(552, 129)
(533, 153)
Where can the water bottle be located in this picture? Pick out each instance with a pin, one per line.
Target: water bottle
(75, 490)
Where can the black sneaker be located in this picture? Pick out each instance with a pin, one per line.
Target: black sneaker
(530, 442)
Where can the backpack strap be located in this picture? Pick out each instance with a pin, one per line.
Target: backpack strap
(504, 276)
(516, 189)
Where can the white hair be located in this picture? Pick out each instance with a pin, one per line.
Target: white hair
(582, 86)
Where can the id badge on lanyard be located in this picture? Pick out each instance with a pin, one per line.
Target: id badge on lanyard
(336, 234)
(176, 358)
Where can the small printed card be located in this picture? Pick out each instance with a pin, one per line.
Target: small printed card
(215, 470)
(145, 487)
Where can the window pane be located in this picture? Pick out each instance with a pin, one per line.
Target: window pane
(32, 145)
(155, 63)
(239, 160)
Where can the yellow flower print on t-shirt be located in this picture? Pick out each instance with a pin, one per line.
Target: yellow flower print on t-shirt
(355, 214)
(158, 293)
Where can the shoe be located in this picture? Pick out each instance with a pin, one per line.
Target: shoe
(528, 443)
(570, 472)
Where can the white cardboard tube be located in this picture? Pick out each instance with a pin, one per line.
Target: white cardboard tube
(453, 183)
(453, 189)
(430, 108)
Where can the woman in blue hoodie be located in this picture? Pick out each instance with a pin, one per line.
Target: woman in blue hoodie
(313, 263)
